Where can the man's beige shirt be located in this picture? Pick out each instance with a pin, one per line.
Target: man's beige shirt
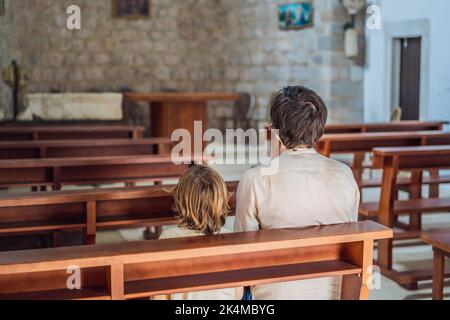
(307, 190)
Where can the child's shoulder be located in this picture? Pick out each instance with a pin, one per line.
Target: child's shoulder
(177, 232)
(225, 230)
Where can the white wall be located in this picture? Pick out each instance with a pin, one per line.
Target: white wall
(437, 12)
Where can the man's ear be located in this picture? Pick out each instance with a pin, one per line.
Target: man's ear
(282, 146)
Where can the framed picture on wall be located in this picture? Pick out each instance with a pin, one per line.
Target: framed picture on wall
(131, 9)
(295, 16)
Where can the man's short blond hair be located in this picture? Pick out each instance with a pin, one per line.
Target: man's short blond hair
(201, 200)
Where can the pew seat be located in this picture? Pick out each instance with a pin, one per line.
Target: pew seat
(144, 269)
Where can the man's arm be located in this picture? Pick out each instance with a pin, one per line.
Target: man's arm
(357, 203)
(246, 211)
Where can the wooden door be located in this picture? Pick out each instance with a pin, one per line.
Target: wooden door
(410, 56)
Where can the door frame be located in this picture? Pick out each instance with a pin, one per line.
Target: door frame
(407, 29)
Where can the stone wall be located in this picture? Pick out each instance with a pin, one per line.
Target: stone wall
(188, 45)
(263, 59)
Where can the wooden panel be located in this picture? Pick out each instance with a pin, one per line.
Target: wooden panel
(55, 132)
(269, 258)
(81, 148)
(172, 111)
(440, 240)
(385, 127)
(114, 208)
(174, 249)
(49, 280)
(421, 158)
(238, 278)
(166, 117)
(87, 170)
(197, 263)
(26, 176)
(365, 142)
(370, 209)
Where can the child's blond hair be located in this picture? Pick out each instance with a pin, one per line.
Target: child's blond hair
(201, 200)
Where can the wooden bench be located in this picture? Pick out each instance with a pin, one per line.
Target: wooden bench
(382, 127)
(63, 132)
(415, 159)
(89, 210)
(365, 142)
(441, 249)
(85, 171)
(386, 127)
(361, 143)
(159, 267)
(83, 148)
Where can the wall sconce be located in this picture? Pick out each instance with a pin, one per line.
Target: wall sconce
(351, 34)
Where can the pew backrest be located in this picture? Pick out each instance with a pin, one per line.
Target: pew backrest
(83, 148)
(365, 142)
(144, 269)
(385, 127)
(90, 209)
(63, 132)
(95, 170)
(412, 158)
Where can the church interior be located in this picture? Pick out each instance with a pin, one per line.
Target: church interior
(95, 97)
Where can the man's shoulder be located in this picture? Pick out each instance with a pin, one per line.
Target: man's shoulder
(252, 174)
(340, 168)
(334, 163)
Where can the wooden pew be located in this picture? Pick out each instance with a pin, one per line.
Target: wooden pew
(64, 132)
(145, 269)
(362, 143)
(402, 126)
(386, 127)
(96, 170)
(89, 210)
(83, 148)
(441, 249)
(391, 160)
(365, 142)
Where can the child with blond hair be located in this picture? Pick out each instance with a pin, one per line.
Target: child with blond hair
(201, 203)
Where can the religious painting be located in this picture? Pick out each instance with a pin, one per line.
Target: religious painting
(294, 16)
(131, 9)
